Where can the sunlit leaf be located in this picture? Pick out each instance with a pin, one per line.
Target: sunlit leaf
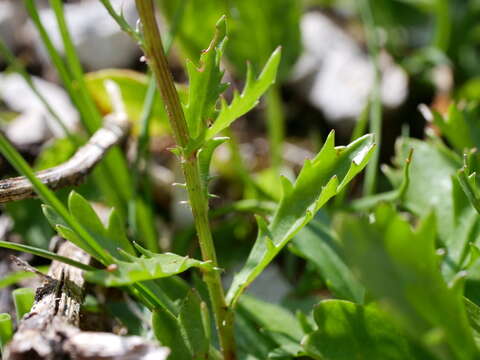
(350, 331)
(316, 243)
(205, 84)
(434, 186)
(399, 267)
(248, 99)
(147, 267)
(319, 180)
(192, 320)
(167, 330)
(133, 86)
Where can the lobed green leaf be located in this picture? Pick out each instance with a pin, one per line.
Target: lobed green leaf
(110, 238)
(317, 243)
(434, 185)
(319, 180)
(460, 126)
(193, 320)
(150, 266)
(469, 186)
(205, 84)
(395, 264)
(248, 99)
(350, 331)
(168, 331)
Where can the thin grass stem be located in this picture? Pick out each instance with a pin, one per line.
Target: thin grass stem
(23, 298)
(373, 44)
(275, 125)
(6, 330)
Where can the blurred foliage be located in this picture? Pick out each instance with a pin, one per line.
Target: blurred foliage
(266, 25)
(395, 275)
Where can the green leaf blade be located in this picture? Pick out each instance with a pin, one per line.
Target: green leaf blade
(167, 330)
(396, 263)
(319, 180)
(317, 243)
(350, 331)
(191, 320)
(206, 83)
(248, 99)
(143, 269)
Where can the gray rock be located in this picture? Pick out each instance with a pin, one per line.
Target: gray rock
(27, 129)
(7, 22)
(98, 39)
(337, 76)
(35, 124)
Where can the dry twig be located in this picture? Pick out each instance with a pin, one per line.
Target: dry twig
(56, 311)
(50, 330)
(73, 171)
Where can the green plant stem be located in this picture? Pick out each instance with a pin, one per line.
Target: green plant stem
(240, 168)
(23, 299)
(145, 226)
(275, 125)
(44, 254)
(373, 44)
(443, 25)
(112, 175)
(120, 20)
(94, 120)
(114, 167)
(199, 204)
(6, 330)
(359, 130)
(197, 194)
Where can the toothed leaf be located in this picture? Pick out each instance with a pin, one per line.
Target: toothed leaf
(467, 182)
(144, 268)
(110, 238)
(192, 321)
(205, 84)
(350, 331)
(248, 99)
(319, 180)
(168, 331)
(399, 267)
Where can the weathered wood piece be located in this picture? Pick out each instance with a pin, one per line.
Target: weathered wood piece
(107, 346)
(50, 331)
(73, 171)
(55, 313)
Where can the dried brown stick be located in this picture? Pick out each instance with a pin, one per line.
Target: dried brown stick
(73, 171)
(55, 313)
(50, 330)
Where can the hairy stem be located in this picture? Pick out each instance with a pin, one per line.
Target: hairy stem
(154, 52)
